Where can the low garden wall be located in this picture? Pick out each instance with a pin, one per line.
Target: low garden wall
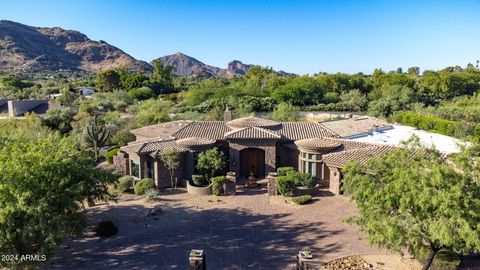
(202, 191)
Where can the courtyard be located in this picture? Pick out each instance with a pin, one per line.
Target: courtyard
(247, 231)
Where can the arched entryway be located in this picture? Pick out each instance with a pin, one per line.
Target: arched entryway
(252, 161)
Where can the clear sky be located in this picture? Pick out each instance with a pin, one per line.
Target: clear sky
(295, 36)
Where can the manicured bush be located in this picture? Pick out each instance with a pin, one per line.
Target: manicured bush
(125, 183)
(199, 180)
(302, 179)
(285, 185)
(302, 199)
(106, 229)
(109, 155)
(282, 171)
(217, 185)
(143, 185)
(151, 195)
(426, 122)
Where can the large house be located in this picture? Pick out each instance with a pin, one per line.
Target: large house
(254, 147)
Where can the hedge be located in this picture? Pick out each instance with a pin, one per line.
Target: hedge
(302, 199)
(292, 178)
(109, 155)
(426, 122)
(282, 171)
(217, 187)
(143, 185)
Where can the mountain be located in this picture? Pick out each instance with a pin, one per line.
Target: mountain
(184, 65)
(41, 49)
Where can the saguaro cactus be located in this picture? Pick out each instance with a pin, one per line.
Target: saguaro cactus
(97, 135)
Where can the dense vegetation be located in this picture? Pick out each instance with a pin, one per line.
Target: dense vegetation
(128, 100)
(44, 180)
(418, 202)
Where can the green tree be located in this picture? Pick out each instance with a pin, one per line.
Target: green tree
(285, 112)
(299, 91)
(108, 80)
(44, 179)
(415, 199)
(59, 119)
(171, 160)
(162, 78)
(153, 111)
(211, 162)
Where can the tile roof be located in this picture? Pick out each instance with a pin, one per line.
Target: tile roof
(163, 130)
(360, 155)
(252, 133)
(318, 144)
(355, 126)
(252, 121)
(157, 146)
(213, 130)
(304, 130)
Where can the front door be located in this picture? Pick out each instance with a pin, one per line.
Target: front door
(252, 162)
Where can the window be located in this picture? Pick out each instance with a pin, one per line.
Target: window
(309, 163)
(135, 168)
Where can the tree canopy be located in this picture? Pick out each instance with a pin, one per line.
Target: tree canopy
(418, 200)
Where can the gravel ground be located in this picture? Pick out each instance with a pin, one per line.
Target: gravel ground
(247, 231)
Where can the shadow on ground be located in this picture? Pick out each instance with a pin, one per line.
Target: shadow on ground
(232, 239)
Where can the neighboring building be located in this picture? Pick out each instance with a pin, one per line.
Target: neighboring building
(253, 146)
(18, 108)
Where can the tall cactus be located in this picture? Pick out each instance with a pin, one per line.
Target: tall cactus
(97, 135)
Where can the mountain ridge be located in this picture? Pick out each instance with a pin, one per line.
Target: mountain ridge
(25, 48)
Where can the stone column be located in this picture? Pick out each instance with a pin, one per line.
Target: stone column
(334, 180)
(197, 260)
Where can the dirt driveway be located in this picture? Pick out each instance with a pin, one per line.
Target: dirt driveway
(247, 231)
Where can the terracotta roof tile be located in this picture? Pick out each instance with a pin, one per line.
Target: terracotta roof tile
(356, 126)
(252, 121)
(304, 130)
(213, 130)
(163, 130)
(252, 133)
(360, 155)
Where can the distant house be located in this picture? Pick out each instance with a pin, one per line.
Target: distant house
(86, 91)
(254, 147)
(18, 108)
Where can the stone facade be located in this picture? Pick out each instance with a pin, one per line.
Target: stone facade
(268, 146)
(335, 176)
(121, 162)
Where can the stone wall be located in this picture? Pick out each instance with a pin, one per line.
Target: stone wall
(335, 176)
(120, 161)
(272, 185)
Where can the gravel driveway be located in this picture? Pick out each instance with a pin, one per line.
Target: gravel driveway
(247, 231)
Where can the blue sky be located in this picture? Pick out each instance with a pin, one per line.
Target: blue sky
(295, 36)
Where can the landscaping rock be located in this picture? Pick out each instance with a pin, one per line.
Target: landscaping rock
(349, 263)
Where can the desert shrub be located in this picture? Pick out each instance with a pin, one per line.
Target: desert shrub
(282, 171)
(124, 184)
(151, 195)
(199, 180)
(143, 185)
(217, 187)
(285, 185)
(106, 229)
(141, 93)
(301, 199)
(109, 155)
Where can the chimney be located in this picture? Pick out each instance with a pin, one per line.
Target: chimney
(227, 115)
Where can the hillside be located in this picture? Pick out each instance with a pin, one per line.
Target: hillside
(41, 49)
